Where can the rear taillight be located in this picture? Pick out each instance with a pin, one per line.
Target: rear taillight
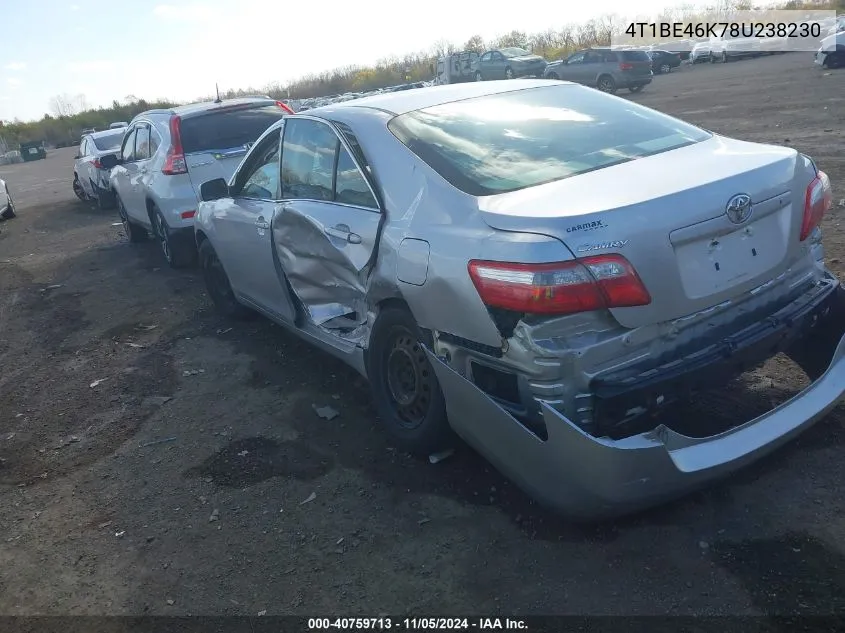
(284, 106)
(174, 162)
(625, 66)
(187, 215)
(817, 202)
(97, 164)
(590, 283)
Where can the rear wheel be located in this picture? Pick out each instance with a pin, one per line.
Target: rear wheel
(405, 389)
(665, 69)
(552, 76)
(605, 83)
(218, 286)
(134, 232)
(835, 60)
(508, 73)
(725, 58)
(9, 213)
(478, 76)
(178, 253)
(78, 190)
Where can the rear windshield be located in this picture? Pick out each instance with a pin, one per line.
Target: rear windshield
(108, 141)
(636, 56)
(513, 140)
(227, 129)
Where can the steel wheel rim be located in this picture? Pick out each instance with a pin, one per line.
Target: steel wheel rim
(478, 76)
(410, 381)
(161, 230)
(605, 85)
(509, 74)
(665, 68)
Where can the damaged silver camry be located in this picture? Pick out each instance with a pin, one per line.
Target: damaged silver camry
(539, 268)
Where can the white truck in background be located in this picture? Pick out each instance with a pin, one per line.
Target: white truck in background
(456, 68)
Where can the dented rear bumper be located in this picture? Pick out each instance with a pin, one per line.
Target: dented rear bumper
(585, 477)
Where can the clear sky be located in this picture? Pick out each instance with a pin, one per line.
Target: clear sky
(107, 49)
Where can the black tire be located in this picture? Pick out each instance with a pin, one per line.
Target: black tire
(835, 60)
(78, 190)
(179, 253)
(552, 76)
(508, 73)
(665, 69)
(217, 284)
(605, 83)
(9, 213)
(134, 232)
(712, 58)
(478, 76)
(636, 88)
(725, 58)
(405, 390)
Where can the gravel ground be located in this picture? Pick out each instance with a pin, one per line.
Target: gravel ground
(155, 459)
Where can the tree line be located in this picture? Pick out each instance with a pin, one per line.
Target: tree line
(69, 115)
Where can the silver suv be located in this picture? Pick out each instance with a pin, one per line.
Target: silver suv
(167, 154)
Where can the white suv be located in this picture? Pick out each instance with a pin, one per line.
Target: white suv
(167, 154)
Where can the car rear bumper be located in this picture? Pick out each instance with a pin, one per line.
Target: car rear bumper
(589, 478)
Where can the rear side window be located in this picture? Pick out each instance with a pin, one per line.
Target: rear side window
(111, 141)
(226, 129)
(513, 140)
(635, 56)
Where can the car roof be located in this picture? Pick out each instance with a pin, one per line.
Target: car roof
(108, 132)
(191, 109)
(419, 98)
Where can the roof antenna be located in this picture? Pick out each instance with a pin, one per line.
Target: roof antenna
(218, 99)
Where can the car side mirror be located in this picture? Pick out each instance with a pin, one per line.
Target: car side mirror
(109, 161)
(214, 190)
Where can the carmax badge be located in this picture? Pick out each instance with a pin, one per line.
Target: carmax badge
(587, 248)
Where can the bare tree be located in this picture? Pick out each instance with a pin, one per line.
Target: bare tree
(443, 47)
(82, 103)
(62, 105)
(514, 38)
(475, 43)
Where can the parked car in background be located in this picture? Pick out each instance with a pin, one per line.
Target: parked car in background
(700, 53)
(118, 124)
(662, 62)
(509, 63)
(831, 53)
(605, 68)
(7, 205)
(167, 154)
(420, 237)
(90, 177)
(33, 151)
(88, 130)
(726, 48)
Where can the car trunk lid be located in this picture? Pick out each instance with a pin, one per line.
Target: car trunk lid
(636, 63)
(666, 214)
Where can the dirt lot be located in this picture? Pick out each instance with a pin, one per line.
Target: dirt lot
(104, 350)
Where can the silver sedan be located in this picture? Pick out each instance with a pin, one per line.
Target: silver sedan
(540, 269)
(7, 205)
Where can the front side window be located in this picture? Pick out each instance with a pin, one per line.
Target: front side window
(262, 181)
(519, 139)
(127, 154)
(142, 143)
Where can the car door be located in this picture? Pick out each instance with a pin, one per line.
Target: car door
(572, 69)
(122, 178)
(327, 232)
(497, 65)
(485, 65)
(242, 228)
(81, 166)
(139, 178)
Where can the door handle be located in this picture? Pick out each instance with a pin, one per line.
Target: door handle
(342, 232)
